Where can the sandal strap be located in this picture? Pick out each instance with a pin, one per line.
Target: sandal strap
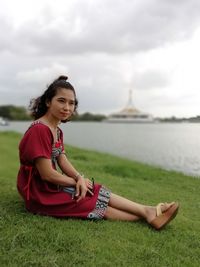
(158, 209)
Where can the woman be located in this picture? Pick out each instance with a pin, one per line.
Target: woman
(47, 191)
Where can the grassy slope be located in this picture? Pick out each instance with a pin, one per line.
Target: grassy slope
(30, 240)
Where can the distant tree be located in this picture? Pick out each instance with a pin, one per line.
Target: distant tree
(12, 112)
(195, 119)
(88, 117)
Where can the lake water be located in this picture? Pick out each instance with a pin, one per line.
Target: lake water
(173, 146)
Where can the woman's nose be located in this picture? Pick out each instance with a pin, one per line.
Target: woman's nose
(66, 107)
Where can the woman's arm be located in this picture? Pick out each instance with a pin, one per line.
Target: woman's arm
(82, 185)
(67, 168)
(47, 173)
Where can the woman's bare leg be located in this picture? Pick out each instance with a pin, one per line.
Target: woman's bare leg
(132, 208)
(116, 214)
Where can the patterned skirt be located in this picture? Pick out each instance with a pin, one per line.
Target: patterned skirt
(102, 200)
(101, 204)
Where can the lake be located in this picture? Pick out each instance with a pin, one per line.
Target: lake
(173, 146)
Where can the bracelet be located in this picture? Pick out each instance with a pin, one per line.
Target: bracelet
(77, 175)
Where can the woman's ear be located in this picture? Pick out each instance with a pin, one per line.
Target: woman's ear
(48, 104)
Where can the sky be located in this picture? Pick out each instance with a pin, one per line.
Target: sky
(106, 48)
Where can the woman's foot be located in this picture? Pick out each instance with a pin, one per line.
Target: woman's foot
(162, 214)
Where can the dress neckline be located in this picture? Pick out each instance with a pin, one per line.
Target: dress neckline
(56, 142)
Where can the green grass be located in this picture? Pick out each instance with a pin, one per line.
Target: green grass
(31, 240)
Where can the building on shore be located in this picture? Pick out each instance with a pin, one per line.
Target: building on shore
(130, 114)
(3, 122)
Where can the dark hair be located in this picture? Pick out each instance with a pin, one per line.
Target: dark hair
(38, 106)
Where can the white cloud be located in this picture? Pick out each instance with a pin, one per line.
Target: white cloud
(106, 47)
(40, 74)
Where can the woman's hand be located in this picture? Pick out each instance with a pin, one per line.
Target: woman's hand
(89, 185)
(82, 187)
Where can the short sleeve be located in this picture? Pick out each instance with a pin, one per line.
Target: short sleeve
(37, 142)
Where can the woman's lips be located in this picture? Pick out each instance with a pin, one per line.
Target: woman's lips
(65, 114)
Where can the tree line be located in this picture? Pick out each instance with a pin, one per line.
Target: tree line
(20, 113)
(11, 112)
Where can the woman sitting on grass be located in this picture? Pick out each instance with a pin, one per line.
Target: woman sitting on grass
(48, 192)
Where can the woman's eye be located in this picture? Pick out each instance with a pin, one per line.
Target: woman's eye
(61, 100)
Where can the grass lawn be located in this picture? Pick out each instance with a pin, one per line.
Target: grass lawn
(32, 240)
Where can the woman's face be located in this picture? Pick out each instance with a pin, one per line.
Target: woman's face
(62, 105)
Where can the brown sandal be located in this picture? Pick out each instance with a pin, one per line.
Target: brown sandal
(163, 218)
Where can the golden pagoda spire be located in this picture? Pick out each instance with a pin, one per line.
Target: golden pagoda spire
(130, 102)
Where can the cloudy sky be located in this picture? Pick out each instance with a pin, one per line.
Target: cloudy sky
(106, 47)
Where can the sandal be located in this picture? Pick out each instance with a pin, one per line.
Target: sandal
(163, 218)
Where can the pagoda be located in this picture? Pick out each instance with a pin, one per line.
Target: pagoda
(130, 114)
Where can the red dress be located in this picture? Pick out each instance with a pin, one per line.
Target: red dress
(43, 197)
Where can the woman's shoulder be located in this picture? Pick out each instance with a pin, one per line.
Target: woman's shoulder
(38, 124)
(38, 127)
(37, 132)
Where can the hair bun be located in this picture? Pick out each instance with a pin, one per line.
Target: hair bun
(62, 77)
